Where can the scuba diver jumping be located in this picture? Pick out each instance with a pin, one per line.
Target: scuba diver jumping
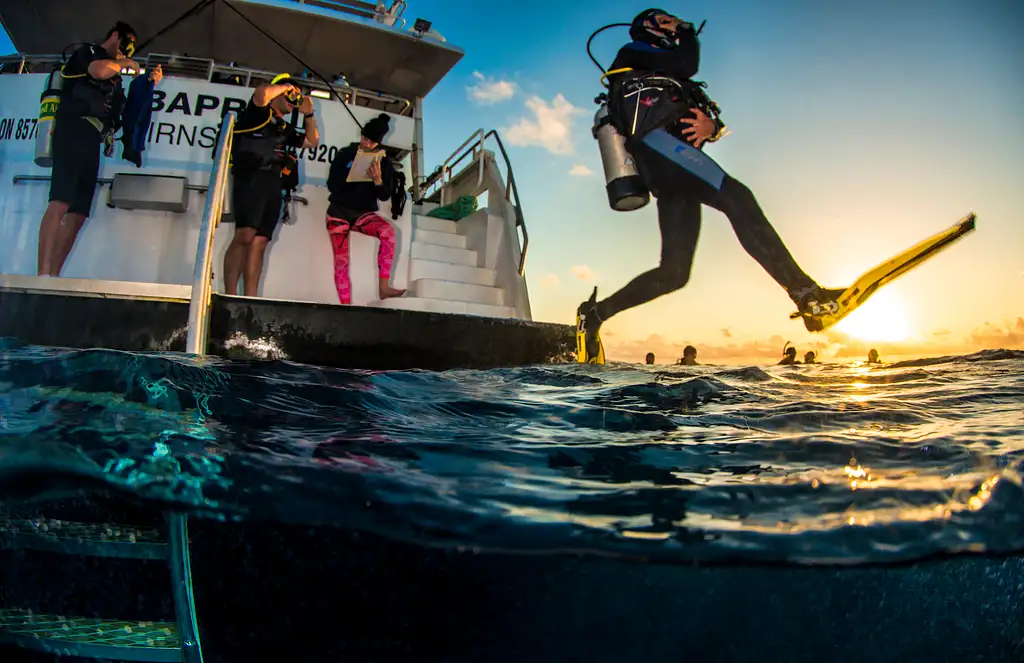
(651, 128)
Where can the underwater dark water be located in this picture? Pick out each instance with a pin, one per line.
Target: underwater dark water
(837, 463)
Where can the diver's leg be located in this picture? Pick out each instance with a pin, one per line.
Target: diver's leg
(757, 236)
(717, 189)
(760, 240)
(679, 221)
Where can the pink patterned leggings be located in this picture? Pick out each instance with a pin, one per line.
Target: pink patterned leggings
(371, 224)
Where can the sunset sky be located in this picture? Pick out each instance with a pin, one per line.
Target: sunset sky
(861, 128)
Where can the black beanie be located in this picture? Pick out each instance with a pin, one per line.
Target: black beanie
(377, 128)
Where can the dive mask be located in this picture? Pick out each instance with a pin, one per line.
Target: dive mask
(127, 45)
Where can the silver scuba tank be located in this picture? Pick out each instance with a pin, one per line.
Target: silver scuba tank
(626, 189)
(49, 102)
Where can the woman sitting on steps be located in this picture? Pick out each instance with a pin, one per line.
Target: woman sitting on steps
(353, 206)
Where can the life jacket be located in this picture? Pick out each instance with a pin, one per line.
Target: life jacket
(398, 196)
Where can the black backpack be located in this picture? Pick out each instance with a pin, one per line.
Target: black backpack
(398, 196)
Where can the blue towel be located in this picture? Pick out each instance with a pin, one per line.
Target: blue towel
(138, 111)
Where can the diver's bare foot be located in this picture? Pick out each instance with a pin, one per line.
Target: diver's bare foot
(387, 292)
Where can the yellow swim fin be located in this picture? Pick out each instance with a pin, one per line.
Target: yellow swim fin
(589, 348)
(872, 280)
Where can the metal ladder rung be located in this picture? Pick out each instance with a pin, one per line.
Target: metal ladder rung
(78, 538)
(91, 637)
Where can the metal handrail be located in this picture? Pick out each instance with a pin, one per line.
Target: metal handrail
(202, 277)
(517, 206)
(475, 140)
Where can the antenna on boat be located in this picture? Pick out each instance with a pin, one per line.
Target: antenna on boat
(297, 59)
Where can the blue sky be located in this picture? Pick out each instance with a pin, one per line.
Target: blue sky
(861, 127)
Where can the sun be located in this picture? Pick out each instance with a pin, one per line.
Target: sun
(881, 318)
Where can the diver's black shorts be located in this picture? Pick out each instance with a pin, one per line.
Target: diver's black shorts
(76, 164)
(257, 201)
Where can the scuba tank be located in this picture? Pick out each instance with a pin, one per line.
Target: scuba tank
(626, 189)
(49, 102)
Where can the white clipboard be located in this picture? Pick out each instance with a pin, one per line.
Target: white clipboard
(361, 165)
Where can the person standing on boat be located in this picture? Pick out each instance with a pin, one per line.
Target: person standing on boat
(667, 118)
(354, 206)
(90, 111)
(259, 152)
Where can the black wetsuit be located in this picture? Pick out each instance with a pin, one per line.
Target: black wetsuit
(257, 157)
(88, 108)
(683, 178)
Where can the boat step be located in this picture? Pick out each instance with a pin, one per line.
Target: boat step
(77, 538)
(459, 292)
(96, 288)
(445, 271)
(453, 240)
(90, 638)
(443, 254)
(446, 306)
(434, 224)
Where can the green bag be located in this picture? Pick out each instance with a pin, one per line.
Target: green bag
(460, 209)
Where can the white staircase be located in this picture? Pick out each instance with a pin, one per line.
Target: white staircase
(444, 276)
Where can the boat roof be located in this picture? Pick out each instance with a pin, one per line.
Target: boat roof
(331, 36)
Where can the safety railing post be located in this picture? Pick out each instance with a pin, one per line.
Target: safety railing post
(202, 277)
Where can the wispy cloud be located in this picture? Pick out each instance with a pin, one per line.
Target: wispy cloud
(550, 281)
(549, 127)
(579, 170)
(583, 273)
(489, 90)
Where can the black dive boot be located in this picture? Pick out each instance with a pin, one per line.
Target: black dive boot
(589, 349)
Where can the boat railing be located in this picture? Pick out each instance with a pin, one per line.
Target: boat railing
(473, 149)
(184, 66)
(202, 278)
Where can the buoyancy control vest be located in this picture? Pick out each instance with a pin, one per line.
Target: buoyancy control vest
(86, 97)
(259, 140)
(640, 102)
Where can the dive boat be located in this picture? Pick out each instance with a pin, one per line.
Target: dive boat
(139, 262)
(100, 576)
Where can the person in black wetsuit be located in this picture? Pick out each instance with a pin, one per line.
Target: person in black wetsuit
(90, 111)
(667, 119)
(258, 154)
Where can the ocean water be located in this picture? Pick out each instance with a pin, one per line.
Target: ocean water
(835, 463)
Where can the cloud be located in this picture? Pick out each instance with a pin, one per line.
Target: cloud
(583, 273)
(550, 127)
(490, 91)
(579, 170)
(991, 336)
(726, 333)
(550, 281)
